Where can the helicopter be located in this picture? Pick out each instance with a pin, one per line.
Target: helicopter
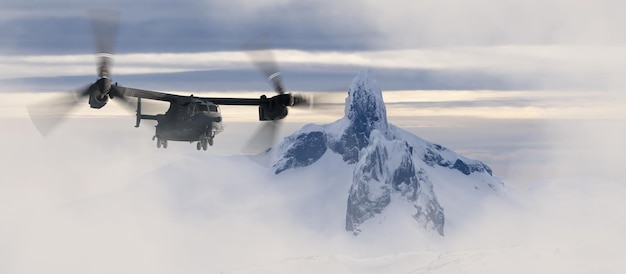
(189, 118)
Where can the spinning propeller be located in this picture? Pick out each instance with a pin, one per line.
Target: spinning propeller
(48, 115)
(264, 137)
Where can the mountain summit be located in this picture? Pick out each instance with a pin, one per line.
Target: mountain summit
(365, 111)
(390, 165)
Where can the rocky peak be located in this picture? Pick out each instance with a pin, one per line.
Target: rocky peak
(365, 107)
(365, 111)
(391, 166)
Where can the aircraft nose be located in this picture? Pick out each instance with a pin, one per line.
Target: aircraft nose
(210, 118)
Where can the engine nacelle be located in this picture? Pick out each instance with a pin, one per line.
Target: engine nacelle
(272, 113)
(97, 99)
(273, 108)
(99, 93)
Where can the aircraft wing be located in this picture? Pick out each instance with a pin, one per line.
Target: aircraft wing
(180, 99)
(148, 94)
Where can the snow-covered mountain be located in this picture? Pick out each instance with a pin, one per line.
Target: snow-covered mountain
(390, 164)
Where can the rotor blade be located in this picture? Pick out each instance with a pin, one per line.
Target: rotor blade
(124, 101)
(263, 138)
(319, 100)
(48, 115)
(104, 23)
(262, 55)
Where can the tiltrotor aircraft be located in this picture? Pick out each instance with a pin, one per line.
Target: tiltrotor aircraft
(189, 118)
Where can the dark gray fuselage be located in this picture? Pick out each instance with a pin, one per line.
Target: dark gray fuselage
(191, 122)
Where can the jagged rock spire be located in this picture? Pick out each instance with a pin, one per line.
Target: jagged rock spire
(365, 107)
(365, 111)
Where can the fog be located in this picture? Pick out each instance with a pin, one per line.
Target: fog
(97, 196)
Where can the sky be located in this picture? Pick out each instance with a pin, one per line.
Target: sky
(533, 88)
(510, 45)
(319, 25)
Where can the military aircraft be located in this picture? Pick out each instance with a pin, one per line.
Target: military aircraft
(189, 118)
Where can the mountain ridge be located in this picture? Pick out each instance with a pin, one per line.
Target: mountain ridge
(387, 161)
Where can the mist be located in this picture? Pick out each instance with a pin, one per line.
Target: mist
(97, 196)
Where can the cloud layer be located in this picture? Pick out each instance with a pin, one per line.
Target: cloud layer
(190, 26)
(574, 68)
(99, 197)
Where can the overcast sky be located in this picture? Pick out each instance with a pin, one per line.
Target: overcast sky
(452, 44)
(160, 26)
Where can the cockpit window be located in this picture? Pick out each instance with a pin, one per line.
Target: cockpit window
(213, 108)
(204, 108)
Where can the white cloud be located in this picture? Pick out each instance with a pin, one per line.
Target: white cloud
(97, 196)
(513, 58)
(329, 25)
(545, 66)
(488, 22)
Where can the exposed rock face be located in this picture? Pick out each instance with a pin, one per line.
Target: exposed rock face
(386, 166)
(302, 149)
(433, 157)
(365, 111)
